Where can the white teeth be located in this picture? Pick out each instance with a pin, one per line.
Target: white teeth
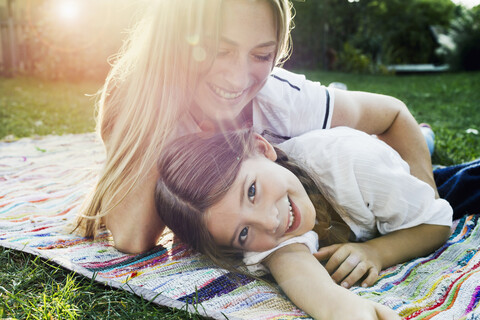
(290, 212)
(226, 94)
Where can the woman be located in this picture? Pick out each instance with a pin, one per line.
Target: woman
(208, 65)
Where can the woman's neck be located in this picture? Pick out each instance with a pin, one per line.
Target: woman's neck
(206, 124)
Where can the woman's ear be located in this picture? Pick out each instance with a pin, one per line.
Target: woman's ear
(264, 147)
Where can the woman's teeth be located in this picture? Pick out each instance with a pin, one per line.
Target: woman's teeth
(225, 94)
(290, 212)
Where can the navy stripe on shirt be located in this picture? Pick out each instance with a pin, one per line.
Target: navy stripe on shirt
(327, 112)
(285, 80)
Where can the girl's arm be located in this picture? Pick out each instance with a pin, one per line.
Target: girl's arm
(310, 287)
(378, 188)
(351, 262)
(391, 121)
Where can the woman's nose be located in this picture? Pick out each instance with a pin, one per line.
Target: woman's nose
(236, 73)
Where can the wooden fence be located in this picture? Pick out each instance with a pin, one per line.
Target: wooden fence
(13, 45)
(34, 40)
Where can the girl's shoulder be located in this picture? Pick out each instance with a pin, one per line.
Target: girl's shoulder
(341, 143)
(338, 138)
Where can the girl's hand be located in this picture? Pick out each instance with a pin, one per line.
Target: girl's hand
(351, 262)
(358, 308)
(311, 288)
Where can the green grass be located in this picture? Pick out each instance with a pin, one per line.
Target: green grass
(449, 102)
(30, 107)
(31, 288)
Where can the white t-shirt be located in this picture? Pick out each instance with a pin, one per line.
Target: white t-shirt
(288, 105)
(369, 180)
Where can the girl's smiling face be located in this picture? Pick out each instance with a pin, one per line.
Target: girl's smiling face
(265, 206)
(245, 57)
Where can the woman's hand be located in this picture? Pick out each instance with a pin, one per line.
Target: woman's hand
(350, 262)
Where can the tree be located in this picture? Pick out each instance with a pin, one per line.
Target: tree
(463, 50)
(387, 31)
(404, 26)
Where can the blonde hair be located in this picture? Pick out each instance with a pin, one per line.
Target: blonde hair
(149, 86)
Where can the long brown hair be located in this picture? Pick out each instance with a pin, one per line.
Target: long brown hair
(196, 171)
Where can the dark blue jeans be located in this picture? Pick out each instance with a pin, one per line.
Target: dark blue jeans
(460, 185)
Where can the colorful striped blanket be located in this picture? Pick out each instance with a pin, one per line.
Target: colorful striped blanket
(43, 182)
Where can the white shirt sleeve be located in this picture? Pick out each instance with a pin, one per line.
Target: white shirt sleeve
(253, 259)
(290, 105)
(369, 181)
(396, 199)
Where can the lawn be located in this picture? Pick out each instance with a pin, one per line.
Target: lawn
(31, 288)
(449, 102)
(30, 107)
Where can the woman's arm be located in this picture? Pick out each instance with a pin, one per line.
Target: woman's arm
(310, 287)
(391, 121)
(351, 262)
(134, 222)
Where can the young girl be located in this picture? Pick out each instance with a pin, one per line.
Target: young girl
(207, 65)
(236, 191)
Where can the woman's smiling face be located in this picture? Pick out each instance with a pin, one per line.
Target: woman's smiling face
(244, 60)
(265, 206)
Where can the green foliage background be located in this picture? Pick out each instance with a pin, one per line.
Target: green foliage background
(382, 31)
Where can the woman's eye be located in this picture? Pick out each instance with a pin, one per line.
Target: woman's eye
(252, 190)
(222, 53)
(264, 57)
(242, 237)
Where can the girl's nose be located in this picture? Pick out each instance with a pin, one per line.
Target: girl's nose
(269, 220)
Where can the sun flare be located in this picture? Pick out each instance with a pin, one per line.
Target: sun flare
(68, 9)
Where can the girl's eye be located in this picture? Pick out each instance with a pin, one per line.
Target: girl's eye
(242, 237)
(252, 190)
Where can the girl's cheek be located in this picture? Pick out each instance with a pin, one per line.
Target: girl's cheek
(264, 243)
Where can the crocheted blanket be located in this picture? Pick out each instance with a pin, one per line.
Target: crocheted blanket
(43, 182)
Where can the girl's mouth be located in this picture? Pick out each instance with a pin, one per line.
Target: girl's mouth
(294, 216)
